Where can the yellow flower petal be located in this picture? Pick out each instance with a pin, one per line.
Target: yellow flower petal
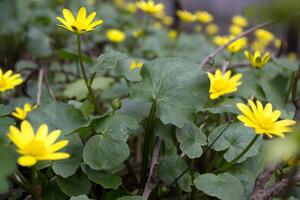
(57, 146)
(27, 161)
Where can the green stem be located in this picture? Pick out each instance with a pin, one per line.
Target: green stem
(178, 192)
(228, 165)
(147, 141)
(94, 101)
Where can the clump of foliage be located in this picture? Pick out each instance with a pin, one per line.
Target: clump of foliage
(103, 100)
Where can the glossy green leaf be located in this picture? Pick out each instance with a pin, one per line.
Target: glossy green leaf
(58, 115)
(79, 90)
(178, 87)
(74, 185)
(223, 186)
(134, 197)
(191, 140)
(103, 178)
(8, 159)
(38, 43)
(80, 197)
(68, 167)
(108, 60)
(234, 140)
(171, 167)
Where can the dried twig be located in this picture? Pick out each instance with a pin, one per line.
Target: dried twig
(153, 178)
(46, 80)
(39, 86)
(209, 59)
(295, 97)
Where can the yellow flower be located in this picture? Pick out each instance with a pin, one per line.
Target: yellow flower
(36, 146)
(136, 65)
(150, 7)
(186, 16)
(204, 17)
(235, 30)
(258, 45)
(131, 7)
(240, 21)
(212, 29)
(237, 45)
(172, 34)
(21, 113)
(81, 24)
(115, 35)
(264, 36)
(256, 59)
(221, 84)
(220, 40)
(263, 119)
(9, 81)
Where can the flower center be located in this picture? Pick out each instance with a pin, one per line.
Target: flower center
(220, 85)
(35, 148)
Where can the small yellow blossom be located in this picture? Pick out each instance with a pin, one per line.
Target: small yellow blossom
(235, 30)
(237, 45)
(36, 146)
(186, 16)
(81, 24)
(115, 35)
(172, 34)
(256, 59)
(204, 17)
(131, 8)
(263, 119)
(9, 81)
(21, 113)
(150, 7)
(221, 84)
(212, 29)
(258, 45)
(136, 65)
(220, 40)
(240, 21)
(264, 36)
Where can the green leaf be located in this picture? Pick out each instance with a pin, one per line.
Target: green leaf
(8, 159)
(191, 139)
(103, 178)
(135, 197)
(58, 115)
(223, 186)
(68, 167)
(105, 151)
(136, 109)
(178, 87)
(5, 110)
(119, 124)
(171, 166)
(5, 122)
(79, 90)
(74, 185)
(108, 60)
(51, 191)
(226, 106)
(234, 140)
(80, 197)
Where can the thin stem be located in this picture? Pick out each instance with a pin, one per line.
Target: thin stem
(85, 76)
(228, 165)
(147, 141)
